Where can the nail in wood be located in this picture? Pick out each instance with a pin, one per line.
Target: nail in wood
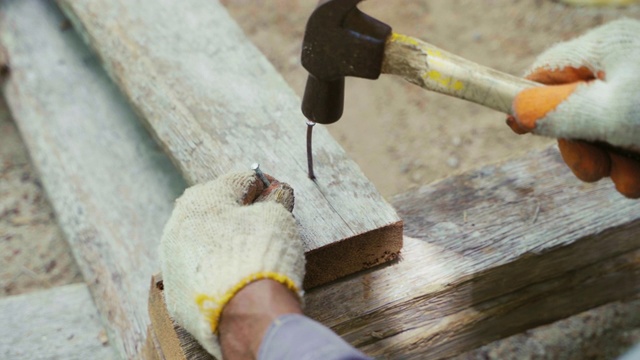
(310, 125)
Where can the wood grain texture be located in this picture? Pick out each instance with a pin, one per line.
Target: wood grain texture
(58, 323)
(492, 252)
(216, 104)
(151, 349)
(169, 340)
(111, 187)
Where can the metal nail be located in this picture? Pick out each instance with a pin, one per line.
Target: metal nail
(310, 125)
(256, 167)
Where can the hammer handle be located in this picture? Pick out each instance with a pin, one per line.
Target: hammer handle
(435, 69)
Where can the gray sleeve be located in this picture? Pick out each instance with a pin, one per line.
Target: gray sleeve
(633, 354)
(297, 337)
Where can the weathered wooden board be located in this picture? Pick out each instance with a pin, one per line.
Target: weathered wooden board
(216, 104)
(111, 187)
(495, 251)
(166, 338)
(58, 323)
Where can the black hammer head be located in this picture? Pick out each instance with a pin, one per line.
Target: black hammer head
(340, 40)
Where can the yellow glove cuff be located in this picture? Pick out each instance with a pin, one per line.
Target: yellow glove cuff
(211, 306)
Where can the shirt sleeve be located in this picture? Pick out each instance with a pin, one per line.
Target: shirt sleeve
(297, 337)
(633, 354)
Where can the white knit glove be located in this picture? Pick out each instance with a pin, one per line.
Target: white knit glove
(213, 245)
(595, 97)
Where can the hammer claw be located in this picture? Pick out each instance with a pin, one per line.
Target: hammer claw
(339, 41)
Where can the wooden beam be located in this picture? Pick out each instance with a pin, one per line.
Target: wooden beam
(58, 323)
(215, 104)
(111, 187)
(495, 251)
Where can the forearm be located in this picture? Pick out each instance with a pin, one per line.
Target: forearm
(247, 317)
(265, 321)
(295, 336)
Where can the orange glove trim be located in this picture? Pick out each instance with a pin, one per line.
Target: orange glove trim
(551, 77)
(534, 103)
(563, 76)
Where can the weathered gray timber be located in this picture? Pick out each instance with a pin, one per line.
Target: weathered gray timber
(58, 323)
(111, 187)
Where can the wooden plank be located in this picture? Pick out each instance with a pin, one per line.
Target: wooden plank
(173, 341)
(111, 187)
(58, 323)
(216, 104)
(464, 326)
(495, 251)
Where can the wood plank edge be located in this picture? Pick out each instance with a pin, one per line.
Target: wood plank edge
(357, 253)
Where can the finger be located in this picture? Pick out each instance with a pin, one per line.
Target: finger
(588, 163)
(515, 127)
(545, 76)
(565, 75)
(252, 189)
(229, 190)
(532, 104)
(279, 192)
(625, 173)
(282, 193)
(264, 190)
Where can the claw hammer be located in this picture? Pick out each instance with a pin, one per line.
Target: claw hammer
(340, 40)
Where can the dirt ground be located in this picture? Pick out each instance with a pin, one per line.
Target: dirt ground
(400, 135)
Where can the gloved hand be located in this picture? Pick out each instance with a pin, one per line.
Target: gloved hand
(594, 95)
(221, 236)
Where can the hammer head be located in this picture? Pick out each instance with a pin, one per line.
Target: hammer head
(339, 41)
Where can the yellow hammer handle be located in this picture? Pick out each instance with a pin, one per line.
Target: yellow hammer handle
(434, 69)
